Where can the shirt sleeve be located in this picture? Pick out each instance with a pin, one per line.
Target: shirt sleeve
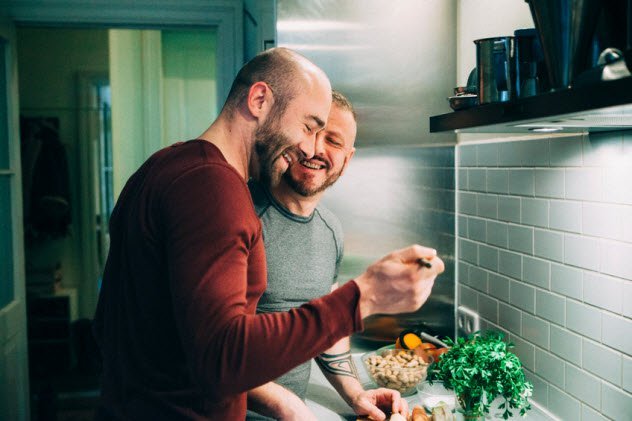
(210, 231)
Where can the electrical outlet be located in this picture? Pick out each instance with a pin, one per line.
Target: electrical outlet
(467, 321)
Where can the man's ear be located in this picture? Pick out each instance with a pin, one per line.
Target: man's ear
(260, 99)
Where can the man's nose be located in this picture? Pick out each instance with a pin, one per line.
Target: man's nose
(308, 146)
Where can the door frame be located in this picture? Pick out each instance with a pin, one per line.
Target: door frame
(225, 15)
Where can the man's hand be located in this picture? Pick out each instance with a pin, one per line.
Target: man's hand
(369, 403)
(398, 283)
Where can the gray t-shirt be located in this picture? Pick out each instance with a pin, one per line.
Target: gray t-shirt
(303, 255)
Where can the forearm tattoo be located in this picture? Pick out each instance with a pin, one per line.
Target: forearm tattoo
(337, 364)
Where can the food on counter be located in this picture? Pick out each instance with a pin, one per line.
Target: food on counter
(419, 414)
(396, 369)
(442, 412)
(436, 352)
(408, 340)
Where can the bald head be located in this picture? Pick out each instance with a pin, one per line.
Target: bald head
(285, 71)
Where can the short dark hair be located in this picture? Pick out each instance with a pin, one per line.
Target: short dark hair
(341, 101)
(278, 68)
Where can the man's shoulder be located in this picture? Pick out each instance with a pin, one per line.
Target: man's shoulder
(329, 218)
(260, 198)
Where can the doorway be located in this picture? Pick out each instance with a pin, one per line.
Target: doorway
(93, 107)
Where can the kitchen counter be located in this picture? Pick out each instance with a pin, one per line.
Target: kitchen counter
(327, 404)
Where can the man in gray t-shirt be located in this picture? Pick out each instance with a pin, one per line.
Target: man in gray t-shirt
(303, 242)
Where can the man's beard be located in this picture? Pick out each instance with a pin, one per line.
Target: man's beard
(270, 142)
(303, 189)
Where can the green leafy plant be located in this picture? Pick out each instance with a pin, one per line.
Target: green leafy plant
(480, 368)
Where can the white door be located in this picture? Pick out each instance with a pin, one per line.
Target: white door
(14, 402)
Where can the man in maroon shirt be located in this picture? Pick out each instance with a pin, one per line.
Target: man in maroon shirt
(176, 319)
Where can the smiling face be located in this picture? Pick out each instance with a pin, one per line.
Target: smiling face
(333, 150)
(285, 138)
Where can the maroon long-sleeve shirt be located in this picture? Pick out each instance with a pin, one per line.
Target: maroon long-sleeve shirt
(176, 319)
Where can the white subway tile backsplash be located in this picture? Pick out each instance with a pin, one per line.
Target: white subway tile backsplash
(549, 183)
(566, 344)
(477, 229)
(583, 386)
(477, 278)
(522, 296)
(627, 299)
(536, 271)
(467, 203)
(497, 181)
(601, 149)
(540, 388)
(563, 405)
(616, 332)
(525, 351)
(509, 154)
(603, 291)
(627, 373)
(488, 206)
(602, 362)
(535, 330)
(462, 182)
(550, 306)
(521, 182)
(535, 153)
(477, 180)
(498, 286)
(535, 212)
(497, 233)
(566, 152)
(616, 259)
(567, 281)
(510, 264)
(487, 155)
(584, 252)
(520, 238)
(509, 209)
(565, 216)
(617, 183)
(627, 223)
(488, 257)
(549, 367)
(468, 297)
(468, 251)
(488, 308)
(510, 318)
(584, 184)
(589, 414)
(549, 224)
(615, 403)
(548, 245)
(467, 155)
(583, 319)
(463, 226)
(602, 220)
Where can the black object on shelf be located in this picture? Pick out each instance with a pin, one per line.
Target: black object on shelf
(602, 106)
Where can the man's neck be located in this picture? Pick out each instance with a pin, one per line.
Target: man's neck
(234, 139)
(294, 202)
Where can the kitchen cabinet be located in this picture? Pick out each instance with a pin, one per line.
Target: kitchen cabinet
(603, 106)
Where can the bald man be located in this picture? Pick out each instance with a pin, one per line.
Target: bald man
(176, 320)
